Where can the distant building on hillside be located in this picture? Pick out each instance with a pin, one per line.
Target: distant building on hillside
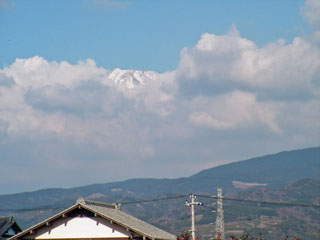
(8, 227)
(87, 220)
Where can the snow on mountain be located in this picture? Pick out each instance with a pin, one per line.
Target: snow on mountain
(131, 78)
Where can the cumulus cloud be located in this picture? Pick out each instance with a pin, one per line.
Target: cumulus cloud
(6, 81)
(311, 12)
(76, 102)
(232, 84)
(231, 62)
(37, 72)
(226, 91)
(233, 110)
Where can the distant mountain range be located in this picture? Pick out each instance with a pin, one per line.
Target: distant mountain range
(272, 171)
(276, 177)
(273, 221)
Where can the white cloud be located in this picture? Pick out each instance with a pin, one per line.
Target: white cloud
(156, 96)
(77, 103)
(233, 84)
(226, 92)
(233, 110)
(311, 12)
(230, 61)
(37, 72)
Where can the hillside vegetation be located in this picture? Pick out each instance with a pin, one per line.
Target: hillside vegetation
(277, 177)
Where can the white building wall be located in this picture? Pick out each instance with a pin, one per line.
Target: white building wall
(82, 227)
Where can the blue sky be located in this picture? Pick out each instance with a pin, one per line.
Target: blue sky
(146, 35)
(105, 90)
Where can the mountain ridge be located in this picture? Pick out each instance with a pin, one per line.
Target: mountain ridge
(275, 170)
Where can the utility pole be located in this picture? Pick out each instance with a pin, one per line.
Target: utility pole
(220, 217)
(191, 205)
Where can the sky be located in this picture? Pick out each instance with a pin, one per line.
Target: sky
(223, 81)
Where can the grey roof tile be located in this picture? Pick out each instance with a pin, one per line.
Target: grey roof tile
(110, 212)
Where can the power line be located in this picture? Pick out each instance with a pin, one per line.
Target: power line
(264, 202)
(48, 207)
(30, 209)
(154, 200)
(290, 204)
(227, 198)
(169, 198)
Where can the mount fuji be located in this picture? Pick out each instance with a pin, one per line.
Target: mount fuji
(131, 78)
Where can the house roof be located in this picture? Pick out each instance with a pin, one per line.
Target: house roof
(128, 221)
(6, 223)
(111, 213)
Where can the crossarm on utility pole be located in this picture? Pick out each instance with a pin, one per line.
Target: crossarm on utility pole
(191, 205)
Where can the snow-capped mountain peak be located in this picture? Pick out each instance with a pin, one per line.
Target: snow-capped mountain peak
(131, 78)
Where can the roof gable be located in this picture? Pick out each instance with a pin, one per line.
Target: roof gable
(120, 221)
(82, 227)
(128, 221)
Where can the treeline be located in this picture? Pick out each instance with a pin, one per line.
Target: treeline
(247, 236)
